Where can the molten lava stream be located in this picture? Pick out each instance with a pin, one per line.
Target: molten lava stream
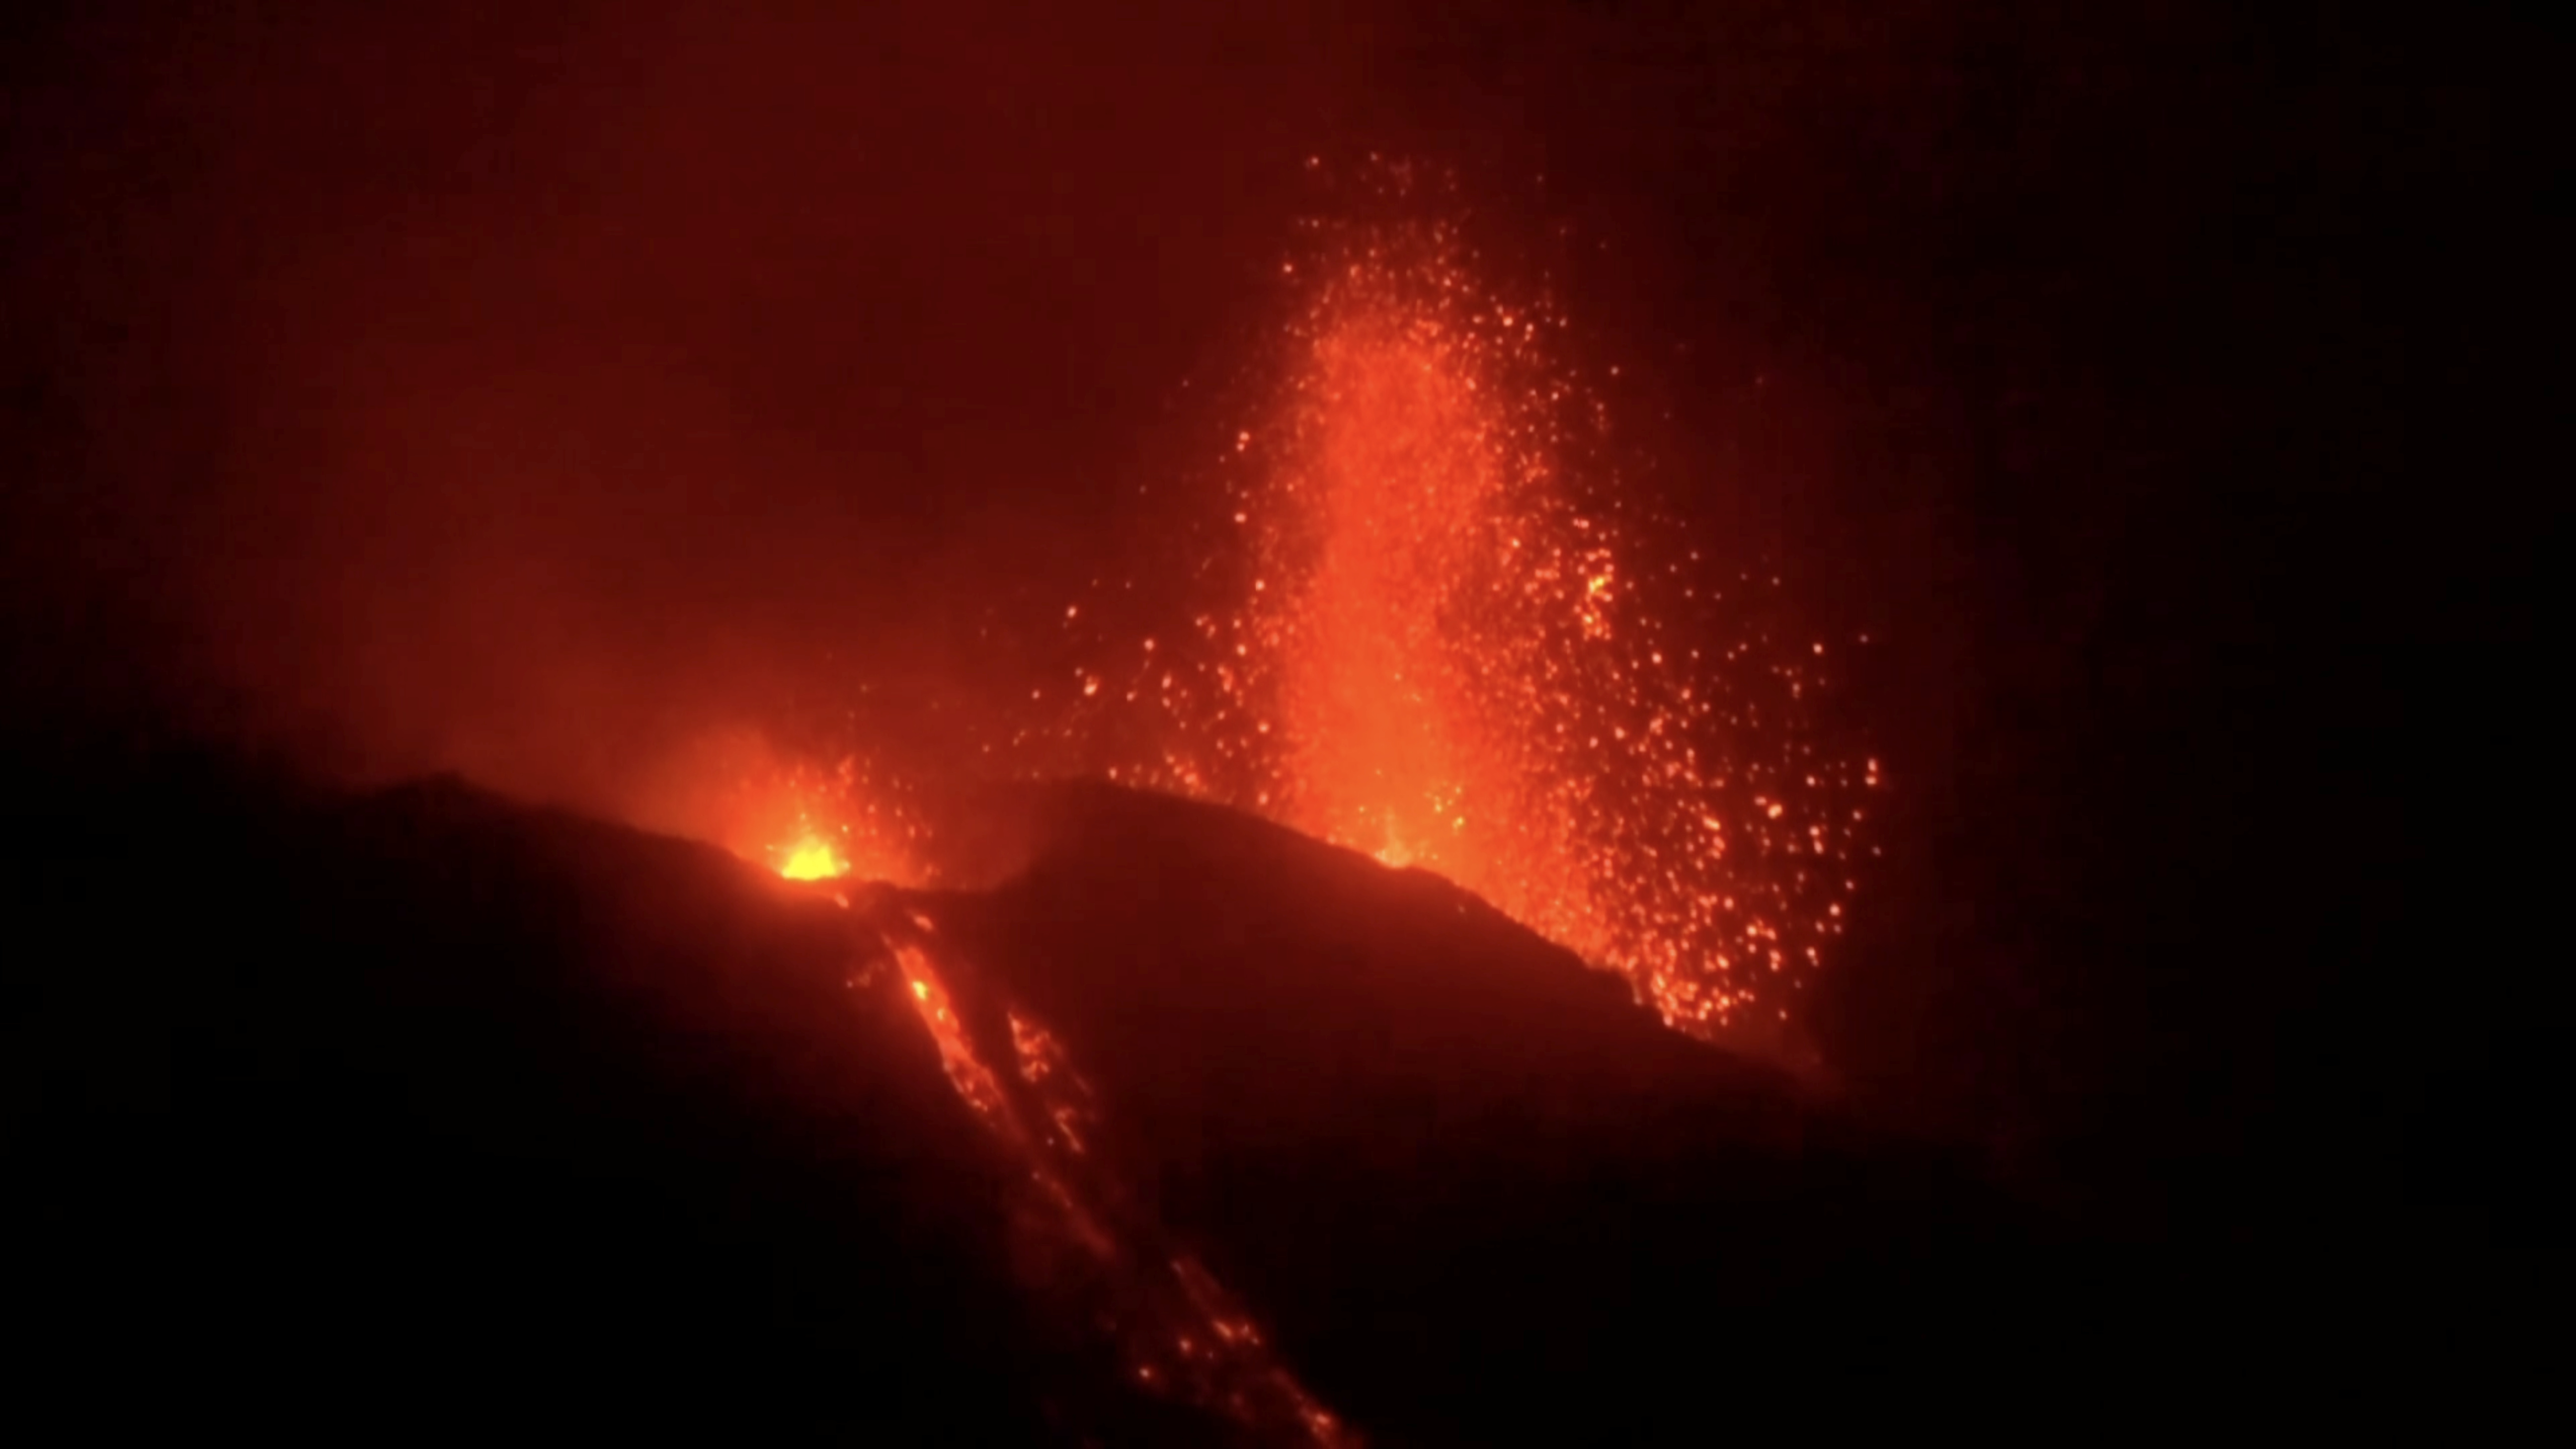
(1184, 1337)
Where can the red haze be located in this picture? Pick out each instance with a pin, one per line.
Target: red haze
(527, 394)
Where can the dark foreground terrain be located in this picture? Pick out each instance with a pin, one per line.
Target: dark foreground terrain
(336, 1114)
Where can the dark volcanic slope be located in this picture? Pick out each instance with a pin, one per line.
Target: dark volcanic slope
(338, 1115)
(1478, 1193)
(460, 1109)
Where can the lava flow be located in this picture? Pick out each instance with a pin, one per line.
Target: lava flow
(1450, 648)
(1184, 1337)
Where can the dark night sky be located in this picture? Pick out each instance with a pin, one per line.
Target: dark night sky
(522, 387)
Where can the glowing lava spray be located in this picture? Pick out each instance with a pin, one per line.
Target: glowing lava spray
(1452, 649)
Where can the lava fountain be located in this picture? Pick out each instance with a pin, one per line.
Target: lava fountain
(1460, 641)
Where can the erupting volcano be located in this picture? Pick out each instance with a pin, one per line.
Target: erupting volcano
(1440, 632)
(1173, 725)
